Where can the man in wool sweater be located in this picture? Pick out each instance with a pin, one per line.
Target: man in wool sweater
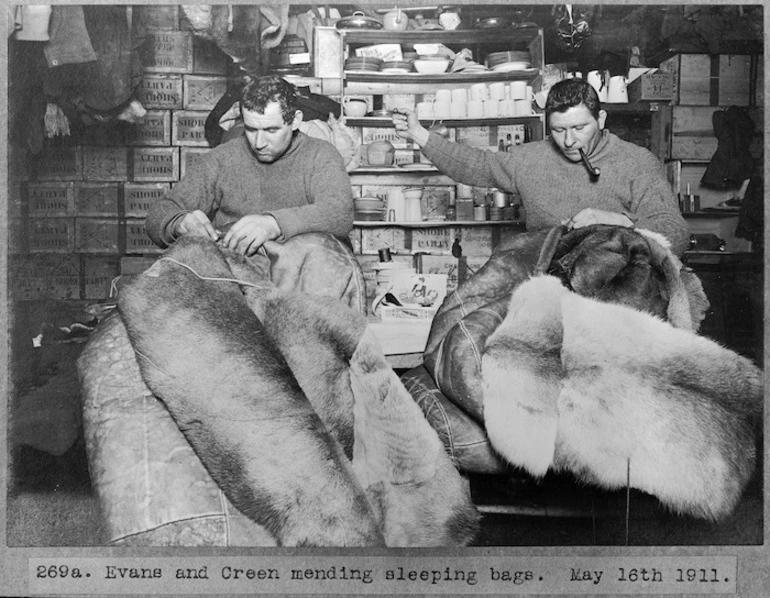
(272, 183)
(549, 176)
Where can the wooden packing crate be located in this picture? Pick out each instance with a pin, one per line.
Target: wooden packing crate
(97, 235)
(50, 235)
(16, 198)
(36, 277)
(188, 127)
(476, 240)
(327, 52)
(136, 238)
(99, 272)
(374, 239)
(693, 137)
(437, 240)
(189, 158)
(17, 235)
(713, 80)
(202, 93)
(160, 92)
(155, 164)
(159, 17)
(440, 264)
(168, 52)
(105, 163)
(652, 87)
(138, 198)
(154, 130)
(51, 199)
(97, 199)
(60, 164)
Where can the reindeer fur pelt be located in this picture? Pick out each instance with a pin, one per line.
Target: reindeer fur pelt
(604, 390)
(291, 406)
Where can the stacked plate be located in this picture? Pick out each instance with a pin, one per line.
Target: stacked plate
(396, 67)
(363, 63)
(512, 60)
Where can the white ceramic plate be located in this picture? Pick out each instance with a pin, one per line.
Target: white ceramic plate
(511, 66)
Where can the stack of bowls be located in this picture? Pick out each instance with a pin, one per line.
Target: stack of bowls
(510, 60)
(367, 209)
(363, 63)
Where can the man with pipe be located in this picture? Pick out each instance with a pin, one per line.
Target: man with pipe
(582, 175)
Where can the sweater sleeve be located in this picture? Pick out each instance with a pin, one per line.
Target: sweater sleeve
(196, 191)
(330, 207)
(472, 166)
(654, 207)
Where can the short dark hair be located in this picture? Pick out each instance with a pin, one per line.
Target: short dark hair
(260, 91)
(572, 92)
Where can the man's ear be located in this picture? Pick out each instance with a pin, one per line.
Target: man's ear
(298, 118)
(602, 118)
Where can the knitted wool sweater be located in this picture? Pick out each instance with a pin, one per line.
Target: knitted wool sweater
(553, 189)
(305, 190)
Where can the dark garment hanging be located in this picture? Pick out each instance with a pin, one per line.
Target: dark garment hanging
(732, 163)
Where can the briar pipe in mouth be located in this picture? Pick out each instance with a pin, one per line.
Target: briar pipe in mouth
(592, 170)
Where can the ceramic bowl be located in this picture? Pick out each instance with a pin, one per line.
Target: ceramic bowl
(368, 204)
(431, 67)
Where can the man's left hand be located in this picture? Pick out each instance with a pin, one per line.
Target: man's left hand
(248, 234)
(589, 216)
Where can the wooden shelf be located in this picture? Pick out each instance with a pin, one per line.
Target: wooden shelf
(521, 35)
(384, 121)
(636, 108)
(714, 214)
(438, 223)
(443, 78)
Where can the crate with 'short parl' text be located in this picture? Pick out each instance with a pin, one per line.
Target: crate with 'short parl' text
(188, 127)
(138, 198)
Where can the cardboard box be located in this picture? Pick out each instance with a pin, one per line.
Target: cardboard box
(97, 199)
(160, 92)
(105, 163)
(168, 52)
(420, 296)
(155, 129)
(653, 87)
(51, 199)
(188, 127)
(447, 265)
(202, 93)
(159, 164)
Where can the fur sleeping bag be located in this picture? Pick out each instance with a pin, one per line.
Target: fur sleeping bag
(290, 406)
(578, 352)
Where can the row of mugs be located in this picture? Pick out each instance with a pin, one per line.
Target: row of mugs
(516, 90)
(474, 109)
